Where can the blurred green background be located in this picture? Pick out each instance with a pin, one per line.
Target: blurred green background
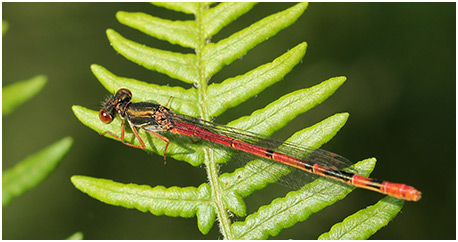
(399, 59)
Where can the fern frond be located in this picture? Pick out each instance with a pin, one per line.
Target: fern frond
(296, 206)
(364, 223)
(174, 201)
(19, 92)
(206, 100)
(32, 170)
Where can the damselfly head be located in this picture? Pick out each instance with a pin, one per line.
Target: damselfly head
(108, 111)
(122, 96)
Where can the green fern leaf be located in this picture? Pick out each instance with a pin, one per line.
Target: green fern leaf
(17, 93)
(275, 115)
(185, 33)
(365, 222)
(34, 169)
(296, 206)
(76, 236)
(190, 8)
(176, 65)
(223, 192)
(214, 19)
(174, 201)
(239, 89)
(215, 56)
(5, 27)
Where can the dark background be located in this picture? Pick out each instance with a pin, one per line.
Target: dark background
(399, 59)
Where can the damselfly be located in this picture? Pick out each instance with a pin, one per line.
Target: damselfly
(154, 118)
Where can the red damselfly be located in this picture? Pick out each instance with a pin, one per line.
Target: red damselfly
(154, 118)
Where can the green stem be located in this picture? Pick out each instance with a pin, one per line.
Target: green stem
(211, 166)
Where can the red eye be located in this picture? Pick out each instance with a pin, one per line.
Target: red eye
(105, 117)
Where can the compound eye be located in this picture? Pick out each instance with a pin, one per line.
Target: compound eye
(124, 90)
(105, 116)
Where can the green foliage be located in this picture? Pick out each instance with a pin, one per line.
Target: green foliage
(33, 170)
(174, 201)
(365, 222)
(76, 236)
(223, 192)
(17, 93)
(296, 206)
(5, 27)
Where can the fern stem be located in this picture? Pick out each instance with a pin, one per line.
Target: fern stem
(210, 163)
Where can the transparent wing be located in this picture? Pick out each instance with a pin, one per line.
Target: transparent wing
(320, 156)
